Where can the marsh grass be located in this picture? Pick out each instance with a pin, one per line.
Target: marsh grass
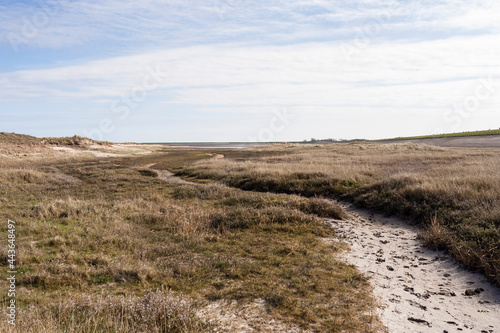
(90, 248)
(453, 191)
(153, 312)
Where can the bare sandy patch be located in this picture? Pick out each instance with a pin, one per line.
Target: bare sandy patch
(252, 317)
(114, 150)
(420, 290)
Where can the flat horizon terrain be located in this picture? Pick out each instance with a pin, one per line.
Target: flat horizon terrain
(130, 237)
(483, 141)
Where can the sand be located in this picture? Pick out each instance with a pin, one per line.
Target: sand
(419, 290)
(231, 317)
(115, 150)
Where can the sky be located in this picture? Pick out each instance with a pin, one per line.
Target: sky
(234, 70)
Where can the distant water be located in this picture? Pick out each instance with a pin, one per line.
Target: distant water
(213, 145)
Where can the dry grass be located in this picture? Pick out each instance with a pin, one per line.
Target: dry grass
(30, 141)
(95, 235)
(72, 141)
(459, 188)
(436, 236)
(13, 138)
(154, 312)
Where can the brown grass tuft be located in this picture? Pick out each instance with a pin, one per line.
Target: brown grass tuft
(154, 312)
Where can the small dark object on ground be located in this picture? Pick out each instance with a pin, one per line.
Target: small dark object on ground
(472, 292)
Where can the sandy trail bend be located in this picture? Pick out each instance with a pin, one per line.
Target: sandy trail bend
(419, 290)
(165, 175)
(170, 177)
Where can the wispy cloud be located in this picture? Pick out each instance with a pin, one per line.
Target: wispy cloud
(195, 21)
(243, 57)
(291, 74)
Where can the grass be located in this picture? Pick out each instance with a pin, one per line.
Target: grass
(154, 312)
(98, 237)
(454, 192)
(14, 138)
(449, 135)
(72, 141)
(21, 139)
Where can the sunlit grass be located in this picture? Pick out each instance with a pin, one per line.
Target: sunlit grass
(457, 188)
(95, 236)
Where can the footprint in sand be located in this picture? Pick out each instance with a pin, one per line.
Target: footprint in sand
(420, 290)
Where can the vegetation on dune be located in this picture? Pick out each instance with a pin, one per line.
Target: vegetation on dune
(21, 139)
(13, 138)
(72, 141)
(448, 135)
(96, 238)
(455, 192)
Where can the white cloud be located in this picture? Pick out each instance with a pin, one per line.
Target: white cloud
(248, 56)
(172, 22)
(427, 72)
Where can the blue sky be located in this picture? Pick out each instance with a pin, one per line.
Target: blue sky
(234, 70)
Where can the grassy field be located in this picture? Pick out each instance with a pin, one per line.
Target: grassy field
(105, 245)
(449, 135)
(454, 192)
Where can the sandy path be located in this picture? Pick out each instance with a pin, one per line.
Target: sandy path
(231, 317)
(419, 290)
(171, 177)
(165, 175)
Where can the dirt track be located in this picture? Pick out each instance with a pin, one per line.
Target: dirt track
(486, 141)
